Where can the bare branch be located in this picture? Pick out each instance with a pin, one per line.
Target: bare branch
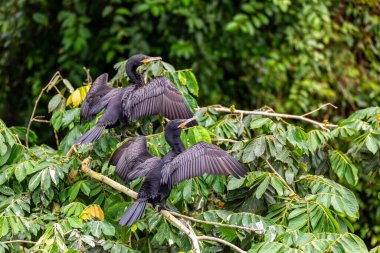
(319, 108)
(273, 114)
(216, 223)
(232, 246)
(41, 120)
(17, 241)
(168, 216)
(224, 140)
(35, 107)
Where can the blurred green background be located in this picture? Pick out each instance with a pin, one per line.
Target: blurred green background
(290, 55)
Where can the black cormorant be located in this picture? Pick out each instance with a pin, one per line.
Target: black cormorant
(159, 96)
(132, 161)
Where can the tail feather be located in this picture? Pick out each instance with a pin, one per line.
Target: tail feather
(91, 135)
(134, 213)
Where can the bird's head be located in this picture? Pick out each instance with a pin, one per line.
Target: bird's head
(173, 131)
(140, 59)
(178, 124)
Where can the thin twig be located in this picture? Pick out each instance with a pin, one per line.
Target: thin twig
(224, 140)
(35, 107)
(18, 139)
(41, 120)
(32, 116)
(273, 114)
(232, 246)
(319, 108)
(17, 241)
(282, 179)
(216, 223)
(168, 216)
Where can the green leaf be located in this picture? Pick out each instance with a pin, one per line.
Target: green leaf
(4, 226)
(74, 190)
(372, 144)
(34, 181)
(343, 167)
(235, 183)
(262, 188)
(108, 229)
(55, 102)
(20, 172)
(68, 85)
(332, 194)
(75, 222)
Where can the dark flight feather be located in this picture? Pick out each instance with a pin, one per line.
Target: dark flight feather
(98, 89)
(199, 159)
(160, 96)
(129, 157)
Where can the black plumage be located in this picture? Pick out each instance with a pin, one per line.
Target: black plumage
(159, 96)
(162, 174)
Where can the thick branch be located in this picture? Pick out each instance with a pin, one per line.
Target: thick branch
(168, 216)
(274, 114)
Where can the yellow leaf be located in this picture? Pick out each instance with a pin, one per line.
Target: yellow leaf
(69, 100)
(93, 211)
(76, 98)
(83, 91)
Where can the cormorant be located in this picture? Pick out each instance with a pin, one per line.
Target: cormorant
(159, 96)
(132, 161)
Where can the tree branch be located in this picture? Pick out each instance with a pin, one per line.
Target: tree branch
(17, 241)
(216, 223)
(232, 246)
(319, 108)
(274, 114)
(32, 118)
(283, 180)
(168, 216)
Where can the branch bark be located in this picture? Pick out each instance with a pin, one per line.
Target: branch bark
(216, 223)
(17, 241)
(168, 216)
(232, 246)
(274, 114)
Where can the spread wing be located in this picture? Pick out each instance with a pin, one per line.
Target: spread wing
(199, 159)
(160, 96)
(97, 91)
(129, 156)
(143, 168)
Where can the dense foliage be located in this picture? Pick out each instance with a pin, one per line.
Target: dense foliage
(290, 55)
(310, 189)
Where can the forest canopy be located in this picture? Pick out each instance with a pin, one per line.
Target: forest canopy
(289, 88)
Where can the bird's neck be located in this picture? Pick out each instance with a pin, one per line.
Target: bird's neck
(134, 76)
(174, 141)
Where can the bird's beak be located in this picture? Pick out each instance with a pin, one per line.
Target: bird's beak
(150, 59)
(186, 122)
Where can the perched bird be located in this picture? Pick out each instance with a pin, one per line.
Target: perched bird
(158, 97)
(132, 161)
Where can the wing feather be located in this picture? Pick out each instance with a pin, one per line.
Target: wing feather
(98, 89)
(129, 156)
(160, 96)
(201, 158)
